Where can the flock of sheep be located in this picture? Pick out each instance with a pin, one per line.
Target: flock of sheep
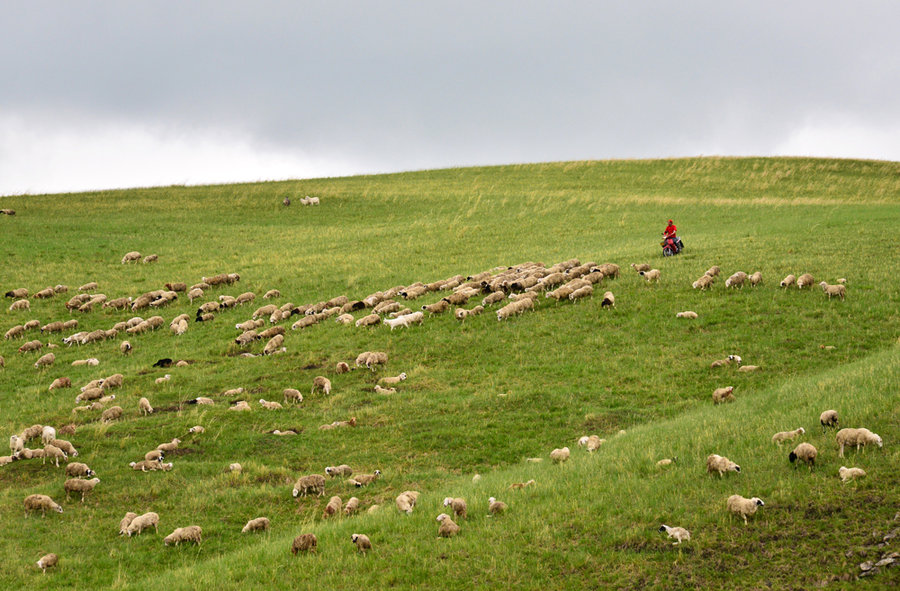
(513, 290)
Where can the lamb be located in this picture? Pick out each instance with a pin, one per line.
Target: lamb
(304, 543)
(755, 279)
(142, 522)
(250, 325)
(593, 443)
(32, 324)
(126, 521)
(559, 455)
(46, 561)
(787, 435)
(20, 305)
(246, 297)
(609, 300)
(191, 533)
(144, 466)
(406, 501)
(342, 470)
(448, 527)
(54, 453)
(321, 383)
(687, 314)
(150, 258)
(743, 507)
(293, 395)
(89, 394)
(362, 542)
(351, 507)
(848, 474)
(651, 275)
(195, 294)
(805, 280)
(32, 432)
(125, 348)
(79, 485)
(392, 379)
(828, 418)
(806, 453)
(313, 483)
(608, 270)
(155, 455)
(364, 479)
(170, 446)
(371, 358)
(42, 503)
(788, 281)
(45, 361)
(112, 413)
(270, 405)
(333, 507)
(858, 437)
(721, 395)
(144, 406)
(639, 267)
(737, 280)
(258, 524)
(114, 381)
(833, 290)
(28, 454)
(720, 464)
(380, 390)
(458, 505)
(678, 533)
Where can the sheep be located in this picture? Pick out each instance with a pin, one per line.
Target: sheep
(153, 466)
(666, 462)
(16, 444)
(380, 390)
(20, 305)
(45, 361)
(828, 418)
(833, 290)
(31, 346)
(788, 281)
(362, 542)
(638, 267)
(521, 485)
(32, 324)
(848, 474)
(272, 293)
(748, 368)
(89, 393)
(42, 503)
(721, 395)
(48, 434)
(406, 501)
(727, 361)
(756, 279)
(333, 507)
(651, 275)
(608, 270)
(142, 522)
(336, 424)
(111, 414)
(155, 455)
(144, 406)
(28, 454)
(273, 345)
(392, 379)
(448, 527)
(304, 543)
(493, 298)
(64, 445)
(371, 358)
(720, 464)
(170, 446)
(90, 286)
(32, 432)
(313, 483)
(114, 381)
(54, 454)
(439, 307)
(582, 292)
(18, 293)
(46, 561)
(858, 437)
(687, 314)
(609, 300)
(292, 395)
(364, 479)
(270, 405)
(258, 524)
(703, 282)
(180, 327)
(163, 379)
(197, 429)
(126, 521)
(351, 507)
(737, 280)
(14, 332)
(805, 280)
(79, 485)
(806, 453)
(593, 443)
(191, 533)
(743, 507)
(405, 320)
(131, 257)
(496, 507)
(678, 533)
(342, 470)
(559, 455)
(782, 436)
(150, 258)
(458, 505)
(321, 383)
(345, 319)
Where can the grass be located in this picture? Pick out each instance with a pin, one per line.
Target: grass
(481, 396)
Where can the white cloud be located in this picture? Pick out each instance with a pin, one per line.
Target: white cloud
(827, 137)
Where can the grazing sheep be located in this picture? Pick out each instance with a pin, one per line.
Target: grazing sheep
(392, 379)
(439, 307)
(678, 533)
(197, 429)
(371, 358)
(362, 542)
(170, 446)
(609, 300)
(346, 319)
(48, 434)
(60, 383)
(258, 524)
(806, 453)
(593, 443)
(144, 406)
(342, 470)
(721, 395)
(496, 507)
(32, 432)
(293, 395)
(126, 521)
(270, 405)
(703, 282)
(858, 437)
(114, 381)
(79, 485)
(15, 332)
(111, 414)
(351, 507)
(64, 445)
(782, 436)
(18, 293)
(42, 503)
(46, 561)
(743, 507)
(458, 505)
(686, 314)
(406, 501)
(150, 258)
(405, 320)
(828, 418)
(131, 257)
(582, 292)
(304, 543)
(559, 455)
(90, 286)
(45, 361)
(142, 522)
(272, 293)
(31, 346)
(92, 361)
(833, 290)
(639, 267)
(720, 464)
(364, 479)
(321, 383)
(848, 474)
(651, 275)
(156, 455)
(313, 483)
(755, 279)
(20, 305)
(493, 298)
(448, 527)
(333, 507)
(54, 454)
(274, 344)
(75, 469)
(788, 281)
(191, 533)
(737, 280)
(805, 280)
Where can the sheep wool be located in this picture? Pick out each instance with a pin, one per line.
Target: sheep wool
(42, 503)
(458, 505)
(828, 418)
(304, 543)
(737, 280)
(638, 267)
(848, 474)
(651, 275)
(170, 446)
(333, 507)
(686, 314)
(406, 501)
(834, 290)
(321, 383)
(559, 455)
(342, 470)
(144, 406)
(609, 300)
(448, 527)
(783, 436)
(362, 542)
(496, 507)
(46, 561)
(142, 522)
(721, 395)
(352, 506)
(392, 379)
(126, 521)
(806, 453)
(111, 414)
(79, 485)
(743, 507)
(191, 533)
(679, 534)
(313, 483)
(805, 280)
(78, 469)
(720, 464)
(364, 479)
(858, 437)
(45, 360)
(258, 524)
(341, 367)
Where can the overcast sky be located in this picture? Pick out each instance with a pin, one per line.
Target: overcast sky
(122, 94)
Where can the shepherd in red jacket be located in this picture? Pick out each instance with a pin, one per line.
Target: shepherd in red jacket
(670, 230)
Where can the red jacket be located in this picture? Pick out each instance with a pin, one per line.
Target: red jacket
(670, 230)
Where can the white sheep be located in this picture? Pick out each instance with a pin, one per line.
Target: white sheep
(828, 418)
(679, 534)
(191, 533)
(270, 405)
(651, 275)
(756, 279)
(458, 505)
(686, 314)
(45, 360)
(609, 300)
(196, 429)
(703, 282)
(805, 280)
(54, 454)
(130, 257)
(783, 436)
(42, 503)
(362, 542)
(748, 368)
(313, 483)
(858, 437)
(79, 485)
(126, 521)
(833, 290)
(381, 390)
(806, 453)
(169, 446)
(720, 464)
(142, 522)
(321, 383)
(333, 507)
(46, 561)
(20, 305)
(144, 406)
(364, 479)
(721, 395)
(292, 395)
(392, 379)
(559, 455)
(496, 507)
(258, 524)
(342, 470)
(48, 434)
(448, 527)
(788, 281)
(848, 474)
(737, 280)
(743, 507)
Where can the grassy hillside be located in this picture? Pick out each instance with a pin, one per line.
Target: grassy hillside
(482, 396)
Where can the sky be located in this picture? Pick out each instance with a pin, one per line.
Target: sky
(101, 95)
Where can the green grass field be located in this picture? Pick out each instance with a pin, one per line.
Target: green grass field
(481, 396)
